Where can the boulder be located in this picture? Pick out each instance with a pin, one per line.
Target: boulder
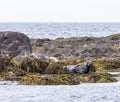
(14, 43)
(82, 68)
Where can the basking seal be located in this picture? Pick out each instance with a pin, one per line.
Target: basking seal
(83, 68)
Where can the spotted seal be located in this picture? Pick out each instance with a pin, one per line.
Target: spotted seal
(82, 68)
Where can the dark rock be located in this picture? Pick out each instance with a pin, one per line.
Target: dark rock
(14, 43)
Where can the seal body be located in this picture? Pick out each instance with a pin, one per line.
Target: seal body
(83, 68)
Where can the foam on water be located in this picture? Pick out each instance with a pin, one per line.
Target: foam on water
(57, 30)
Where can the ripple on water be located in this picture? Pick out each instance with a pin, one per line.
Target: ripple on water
(87, 92)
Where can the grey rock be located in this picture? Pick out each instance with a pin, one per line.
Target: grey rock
(14, 43)
(80, 47)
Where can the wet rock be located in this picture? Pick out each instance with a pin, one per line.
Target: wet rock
(106, 64)
(14, 43)
(101, 77)
(5, 64)
(66, 79)
(9, 70)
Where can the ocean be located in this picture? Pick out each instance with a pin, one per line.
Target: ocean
(66, 30)
(85, 92)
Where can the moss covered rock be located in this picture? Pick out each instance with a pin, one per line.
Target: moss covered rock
(5, 64)
(107, 64)
(73, 61)
(34, 65)
(49, 80)
(66, 79)
(58, 67)
(55, 68)
(101, 77)
(9, 70)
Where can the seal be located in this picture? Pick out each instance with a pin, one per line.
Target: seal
(82, 68)
(39, 56)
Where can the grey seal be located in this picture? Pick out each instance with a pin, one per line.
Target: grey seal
(82, 68)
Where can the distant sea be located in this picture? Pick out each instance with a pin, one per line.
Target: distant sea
(58, 30)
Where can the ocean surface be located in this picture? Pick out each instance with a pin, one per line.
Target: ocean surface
(85, 92)
(58, 30)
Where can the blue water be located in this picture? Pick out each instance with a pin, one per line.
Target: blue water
(57, 30)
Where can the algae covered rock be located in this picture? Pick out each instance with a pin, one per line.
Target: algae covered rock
(55, 68)
(65, 79)
(101, 77)
(49, 80)
(9, 70)
(30, 79)
(5, 64)
(34, 65)
(107, 64)
(73, 61)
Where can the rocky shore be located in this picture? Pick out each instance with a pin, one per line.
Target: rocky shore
(79, 47)
(68, 61)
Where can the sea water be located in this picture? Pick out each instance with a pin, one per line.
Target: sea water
(86, 92)
(58, 30)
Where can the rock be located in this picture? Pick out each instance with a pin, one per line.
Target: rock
(5, 64)
(106, 64)
(55, 68)
(113, 37)
(66, 79)
(49, 80)
(38, 42)
(17, 60)
(14, 43)
(9, 70)
(80, 47)
(82, 68)
(33, 65)
(101, 77)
